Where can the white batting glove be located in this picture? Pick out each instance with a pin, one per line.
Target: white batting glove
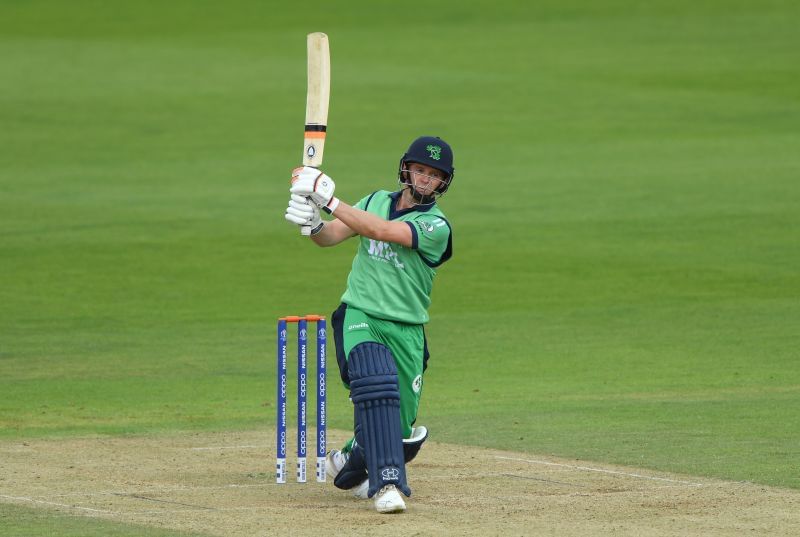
(311, 182)
(305, 214)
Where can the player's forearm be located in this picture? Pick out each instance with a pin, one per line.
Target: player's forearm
(361, 222)
(332, 233)
(373, 226)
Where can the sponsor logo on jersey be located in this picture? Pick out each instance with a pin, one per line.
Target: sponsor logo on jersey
(359, 326)
(382, 251)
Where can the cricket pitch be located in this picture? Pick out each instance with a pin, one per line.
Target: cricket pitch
(223, 484)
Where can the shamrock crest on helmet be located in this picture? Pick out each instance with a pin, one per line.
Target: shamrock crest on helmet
(435, 151)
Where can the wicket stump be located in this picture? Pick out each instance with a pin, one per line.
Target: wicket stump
(302, 400)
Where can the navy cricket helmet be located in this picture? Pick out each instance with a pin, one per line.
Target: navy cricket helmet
(431, 151)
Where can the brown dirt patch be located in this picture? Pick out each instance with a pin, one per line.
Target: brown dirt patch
(223, 484)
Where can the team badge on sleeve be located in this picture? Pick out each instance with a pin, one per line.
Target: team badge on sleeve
(433, 240)
(425, 227)
(429, 226)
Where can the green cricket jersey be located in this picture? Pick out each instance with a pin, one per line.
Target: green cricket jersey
(393, 282)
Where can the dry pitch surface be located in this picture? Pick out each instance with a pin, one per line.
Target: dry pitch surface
(223, 484)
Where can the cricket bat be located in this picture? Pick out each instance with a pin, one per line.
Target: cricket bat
(317, 98)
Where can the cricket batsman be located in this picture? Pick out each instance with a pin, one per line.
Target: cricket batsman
(381, 349)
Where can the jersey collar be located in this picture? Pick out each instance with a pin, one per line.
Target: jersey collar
(394, 213)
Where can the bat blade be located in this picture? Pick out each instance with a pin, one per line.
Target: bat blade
(317, 98)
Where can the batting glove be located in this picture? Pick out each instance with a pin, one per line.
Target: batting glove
(312, 183)
(304, 213)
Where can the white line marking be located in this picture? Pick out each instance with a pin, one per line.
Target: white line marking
(160, 489)
(227, 447)
(24, 499)
(601, 470)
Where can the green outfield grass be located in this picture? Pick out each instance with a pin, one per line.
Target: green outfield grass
(626, 212)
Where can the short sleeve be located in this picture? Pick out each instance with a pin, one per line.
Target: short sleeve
(433, 239)
(363, 203)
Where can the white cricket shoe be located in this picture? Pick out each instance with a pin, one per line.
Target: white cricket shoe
(388, 500)
(334, 462)
(361, 490)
